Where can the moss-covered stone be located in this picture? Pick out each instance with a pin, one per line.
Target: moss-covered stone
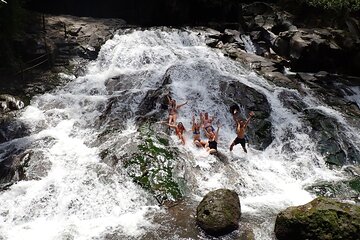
(322, 219)
(152, 165)
(219, 212)
(355, 184)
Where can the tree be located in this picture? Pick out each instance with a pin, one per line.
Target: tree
(338, 5)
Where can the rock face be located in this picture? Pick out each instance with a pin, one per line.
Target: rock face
(322, 218)
(259, 131)
(12, 168)
(219, 212)
(11, 128)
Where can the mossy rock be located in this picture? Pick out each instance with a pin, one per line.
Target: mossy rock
(219, 212)
(152, 165)
(321, 219)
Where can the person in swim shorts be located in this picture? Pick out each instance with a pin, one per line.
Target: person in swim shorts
(240, 131)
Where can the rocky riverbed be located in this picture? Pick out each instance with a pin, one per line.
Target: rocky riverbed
(267, 41)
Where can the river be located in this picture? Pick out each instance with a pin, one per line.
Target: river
(70, 193)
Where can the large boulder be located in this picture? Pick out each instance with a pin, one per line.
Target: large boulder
(11, 128)
(12, 168)
(320, 219)
(219, 212)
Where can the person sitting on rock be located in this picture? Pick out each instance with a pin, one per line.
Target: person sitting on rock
(173, 107)
(206, 122)
(179, 130)
(196, 133)
(211, 145)
(240, 131)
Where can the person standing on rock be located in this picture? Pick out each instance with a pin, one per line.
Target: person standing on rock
(173, 107)
(240, 131)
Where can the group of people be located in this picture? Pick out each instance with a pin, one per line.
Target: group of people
(205, 123)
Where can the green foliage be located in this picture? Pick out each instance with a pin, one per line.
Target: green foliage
(152, 166)
(13, 19)
(339, 5)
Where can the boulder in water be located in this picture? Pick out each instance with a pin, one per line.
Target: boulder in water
(322, 218)
(9, 102)
(219, 212)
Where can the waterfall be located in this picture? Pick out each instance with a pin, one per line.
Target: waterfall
(72, 194)
(248, 44)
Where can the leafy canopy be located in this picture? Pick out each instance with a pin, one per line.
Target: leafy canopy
(350, 5)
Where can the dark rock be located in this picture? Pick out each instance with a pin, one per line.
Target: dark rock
(230, 36)
(321, 75)
(219, 212)
(212, 33)
(259, 130)
(306, 77)
(9, 102)
(211, 42)
(11, 128)
(256, 8)
(322, 218)
(332, 141)
(281, 46)
(354, 27)
(12, 168)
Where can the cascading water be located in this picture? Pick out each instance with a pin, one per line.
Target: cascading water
(248, 44)
(72, 194)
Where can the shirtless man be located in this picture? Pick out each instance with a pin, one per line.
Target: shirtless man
(179, 130)
(240, 131)
(196, 133)
(173, 107)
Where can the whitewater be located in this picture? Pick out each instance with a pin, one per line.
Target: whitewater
(71, 194)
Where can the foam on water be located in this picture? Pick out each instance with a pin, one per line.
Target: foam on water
(83, 198)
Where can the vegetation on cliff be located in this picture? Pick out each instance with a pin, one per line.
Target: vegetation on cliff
(152, 166)
(339, 5)
(12, 26)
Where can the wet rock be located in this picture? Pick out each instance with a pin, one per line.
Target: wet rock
(332, 140)
(322, 218)
(211, 42)
(219, 212)
(247, 234)
(259, 131)
(230, 36)
(12, 168)
(306, 77)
